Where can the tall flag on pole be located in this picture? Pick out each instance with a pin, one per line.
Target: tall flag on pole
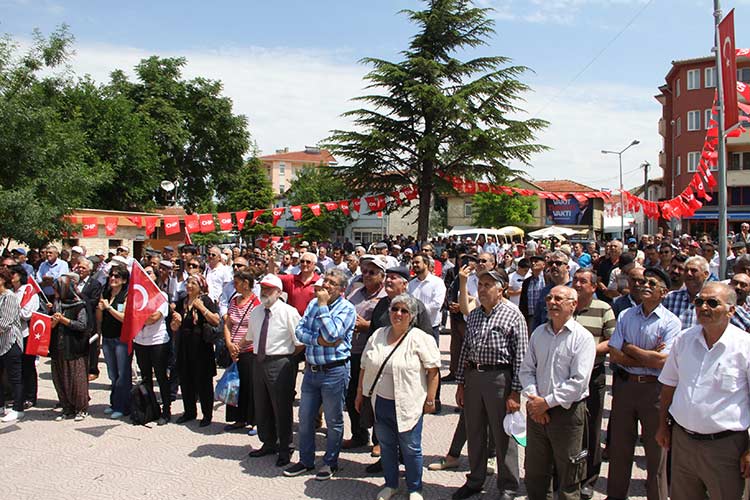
(728, 70)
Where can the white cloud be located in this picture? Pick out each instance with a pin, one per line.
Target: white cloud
(295, 97)
(564, 12)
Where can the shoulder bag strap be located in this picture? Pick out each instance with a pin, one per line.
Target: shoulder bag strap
(247, 309)
(380, 371)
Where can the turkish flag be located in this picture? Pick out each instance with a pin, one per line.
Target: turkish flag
(470, 187)
(31, 290)
(136, 219)
(728, 53)
(691, 201)
(256, 214)
(296, 212)
(458, 184)
(192, 224)
(110, 225)
(144, 299)
(744, 90)
(90, 228)
(40, 333)
(278, 212)
(344, 205)
(483, 187)
(697, 184)
(151, 223)
(207, 223)
(171, 224)
(240, 216)
(331, 206)
(356, 204)
(225, 221)
(315, 208)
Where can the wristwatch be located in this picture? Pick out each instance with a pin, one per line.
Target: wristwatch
(430, 403)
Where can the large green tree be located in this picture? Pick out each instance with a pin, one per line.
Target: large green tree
(498, 210)
(432, 114)
(251, 190)
(313, 185)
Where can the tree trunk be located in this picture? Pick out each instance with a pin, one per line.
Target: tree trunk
(425, 199)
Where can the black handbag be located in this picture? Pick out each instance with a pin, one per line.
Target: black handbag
(223, 358)
(366, 413)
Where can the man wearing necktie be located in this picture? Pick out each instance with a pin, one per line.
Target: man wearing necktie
(271, 330)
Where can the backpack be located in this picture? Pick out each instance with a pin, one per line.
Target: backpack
(143, 405)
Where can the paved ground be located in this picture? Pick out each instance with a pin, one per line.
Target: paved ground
(104, 459)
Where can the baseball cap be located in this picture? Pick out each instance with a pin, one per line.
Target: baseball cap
(77, 250)
(295, 255)
(514, 425)
(20, 251)
(304, 244)
(380, 245)
(401, 271)
(408, 250)
(658, 273)
(168, 248)
(374, 260)
(272, 281)
(632, 240)
(166, 263)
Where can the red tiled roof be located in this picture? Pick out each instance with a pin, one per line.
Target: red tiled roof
(323, 157)
(563, 185)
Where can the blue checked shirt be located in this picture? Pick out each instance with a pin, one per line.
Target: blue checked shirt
(536, 285)
(333, 322)
(681, 305)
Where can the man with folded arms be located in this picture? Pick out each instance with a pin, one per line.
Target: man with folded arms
(705, 399)
(326, 331)
(640, 345)
(555, 376)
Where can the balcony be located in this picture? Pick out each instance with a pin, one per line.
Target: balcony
(662, 159)
(662, 127)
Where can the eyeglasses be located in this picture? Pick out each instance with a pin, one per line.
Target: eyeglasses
(555, 263)
(117, 276)
(556, 298)
(194, 266)
(306, 262)
(238, 265)
(484, 261)
(214, 254)
(397, 310)
(651, 283)
(712, 303)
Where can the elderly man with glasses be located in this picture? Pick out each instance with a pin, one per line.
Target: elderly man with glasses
(640, 345)
(217, 274)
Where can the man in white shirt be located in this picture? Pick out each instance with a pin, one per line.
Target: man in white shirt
(217, 274)
(706, 391)
(555, 376)
(271, 330)
(324, 261)
(516, 281)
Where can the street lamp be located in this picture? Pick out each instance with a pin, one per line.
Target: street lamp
(622, 202)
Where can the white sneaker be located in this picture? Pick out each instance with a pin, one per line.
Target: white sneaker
(80, 416)
(62, 416)
(12, 416)
(491, 466)
(386, 493)
(115, 415)
(416, 495)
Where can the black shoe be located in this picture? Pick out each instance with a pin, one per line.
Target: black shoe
(448, 378)
(282, 461)
(374, 468)
(297, 469)
(185, 418)
(465, 491)
(326, 472)
(164, 419)
(205, 422)
(262, 452)
(587, 492)
(234, 426)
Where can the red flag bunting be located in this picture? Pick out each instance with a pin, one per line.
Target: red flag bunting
(256, 215)
(40, 333)
(344, 205)
(296, 212)
(136, 219)
(90, 228)
(207, 223)
(356, 204)
(225, 221)
(192, 224)
(277, 213)
(240, 216)
(110, 225)
(171, 224)
(396, 195)
(331, 206)
(151, 223)
(410, 192)
(144, 299)
(315, 208)
(483, 187)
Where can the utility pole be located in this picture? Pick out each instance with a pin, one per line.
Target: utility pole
(645, 166)
(722, 187)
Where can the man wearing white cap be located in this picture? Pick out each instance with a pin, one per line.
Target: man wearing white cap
(271, 330)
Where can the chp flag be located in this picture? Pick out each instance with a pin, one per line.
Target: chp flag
(144, 299)
(40, 333)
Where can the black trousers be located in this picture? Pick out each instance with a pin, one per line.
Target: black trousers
(174, 373)
(245, 409)
(273, 390)
(358, 432)
(94, 349)
(29, 375)
(153, 359)
(10, 362)
(197, 382)
(594, 412)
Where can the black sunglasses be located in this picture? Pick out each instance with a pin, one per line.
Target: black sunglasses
(399, 310)
(712, 303)
(194, 265)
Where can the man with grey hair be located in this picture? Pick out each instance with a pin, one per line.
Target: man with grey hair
(299, 287)
(217, 273)
(90, 291)
(705, 398)
(51, 269)
(558, 273)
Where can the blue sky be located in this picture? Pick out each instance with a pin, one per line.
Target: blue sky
(292, 66)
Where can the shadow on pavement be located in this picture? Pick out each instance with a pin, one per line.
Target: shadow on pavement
(96, 431)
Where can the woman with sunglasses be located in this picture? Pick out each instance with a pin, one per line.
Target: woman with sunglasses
(109, 316)
(11, 346)
(69, 349)
(404, 391)
(195, 355)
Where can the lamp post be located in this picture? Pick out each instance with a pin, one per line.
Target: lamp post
(622, 198)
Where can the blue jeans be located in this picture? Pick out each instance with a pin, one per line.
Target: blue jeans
(391, 440)
(329, 388)
(120, 373)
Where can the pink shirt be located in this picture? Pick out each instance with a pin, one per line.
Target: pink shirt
(235, 313)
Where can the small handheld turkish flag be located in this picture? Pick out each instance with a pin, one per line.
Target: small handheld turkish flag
(144, 299)
(40, 332)
(30, 291)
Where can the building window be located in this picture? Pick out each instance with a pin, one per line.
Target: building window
(677, 88)
(693, 120)
(709, 117)
(282, 169)
(678, 126)
(743, 75)
(693, 158)
(735, 161)
(679, 166)
(467, 209)
(709, 77)
(693, 79)
(739, 195)
(282, 188)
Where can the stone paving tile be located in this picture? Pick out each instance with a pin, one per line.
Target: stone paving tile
(106, 459)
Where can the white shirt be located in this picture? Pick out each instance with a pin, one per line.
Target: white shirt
(516, 282)
(280, 339)
(155, 334)
(216, 278)
(558, 367)
(431, 292)
(31, 306)
(712, 385)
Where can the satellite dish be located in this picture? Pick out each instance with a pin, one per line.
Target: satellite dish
(167, 185)
(176, 183)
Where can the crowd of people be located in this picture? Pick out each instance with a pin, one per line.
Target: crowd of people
(532, 323)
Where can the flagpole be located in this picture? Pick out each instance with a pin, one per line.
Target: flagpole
(721, 149)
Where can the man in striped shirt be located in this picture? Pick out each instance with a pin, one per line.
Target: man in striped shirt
(597, 317)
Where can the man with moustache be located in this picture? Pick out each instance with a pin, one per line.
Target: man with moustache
(558, 274)
(740, 282)
(555, 376)
(705, 400)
